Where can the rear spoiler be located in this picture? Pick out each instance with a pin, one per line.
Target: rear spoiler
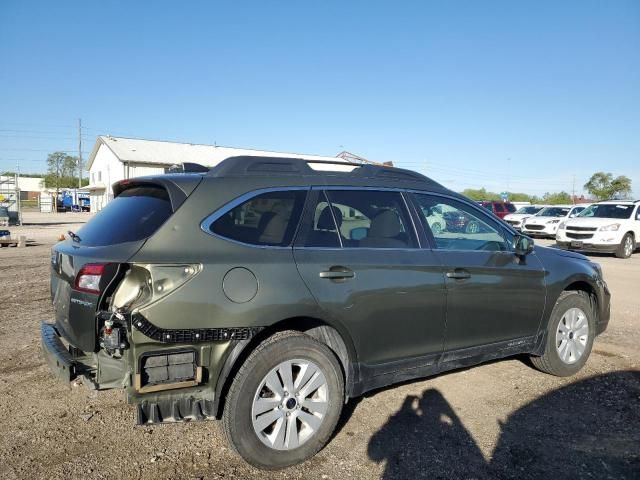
(178, 187)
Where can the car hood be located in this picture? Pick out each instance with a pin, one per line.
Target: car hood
(561, 253)
(518, 216)
(542, 220)
(593, 222)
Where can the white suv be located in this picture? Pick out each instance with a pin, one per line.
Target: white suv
(545, 222)
(611, 227)
(517, 219)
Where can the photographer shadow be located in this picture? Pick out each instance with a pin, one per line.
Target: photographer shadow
(589, 429)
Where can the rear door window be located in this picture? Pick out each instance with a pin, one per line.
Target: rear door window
(133, 215)
(267, 219)
(372, 219)
(322, 232)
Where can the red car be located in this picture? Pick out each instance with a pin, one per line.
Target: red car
(499, 209)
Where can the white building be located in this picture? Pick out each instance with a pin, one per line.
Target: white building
(116, 158)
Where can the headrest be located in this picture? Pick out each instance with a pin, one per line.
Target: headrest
(325, 221)
(385, 225)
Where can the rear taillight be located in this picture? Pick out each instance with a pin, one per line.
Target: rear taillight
(88, 278)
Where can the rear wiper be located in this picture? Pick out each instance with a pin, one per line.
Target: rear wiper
(74, 237)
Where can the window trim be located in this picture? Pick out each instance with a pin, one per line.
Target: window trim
(505, 233)
(209, 220)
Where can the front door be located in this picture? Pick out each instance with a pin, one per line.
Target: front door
(359, 256)
(492, 294)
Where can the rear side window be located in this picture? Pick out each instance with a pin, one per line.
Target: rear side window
(511, 208)
(267, 219)
(498, 207)
(133, 215)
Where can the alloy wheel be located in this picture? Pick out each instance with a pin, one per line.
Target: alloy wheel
(628, 246)
(572, 335)
(290, 404)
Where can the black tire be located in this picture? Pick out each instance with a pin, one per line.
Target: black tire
(620, 252)
(550, 361)
(237, 416)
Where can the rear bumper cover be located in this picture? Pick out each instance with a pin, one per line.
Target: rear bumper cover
(57, 356)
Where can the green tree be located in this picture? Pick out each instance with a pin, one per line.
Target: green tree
(61, 171)
(557, 198)
(480, 194)
(603, 186)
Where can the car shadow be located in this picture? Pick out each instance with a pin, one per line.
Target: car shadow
(588, 429)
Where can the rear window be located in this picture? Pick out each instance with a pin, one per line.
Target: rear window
(133, 215)
(267, 219)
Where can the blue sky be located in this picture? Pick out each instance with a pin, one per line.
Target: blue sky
(507, 95)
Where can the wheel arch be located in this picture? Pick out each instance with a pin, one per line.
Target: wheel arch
(339, 342)
(577, 284)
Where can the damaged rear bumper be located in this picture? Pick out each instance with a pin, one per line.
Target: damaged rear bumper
(56, 354)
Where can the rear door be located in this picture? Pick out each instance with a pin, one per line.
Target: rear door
(492, 295)
(358, 253)
(110, 238)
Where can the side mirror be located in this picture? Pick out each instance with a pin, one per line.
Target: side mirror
(523, 245)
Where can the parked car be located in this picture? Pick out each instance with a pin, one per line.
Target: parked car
(517, 219)
(270, 291)
(610, 227)
(499, 209)
(545, 222)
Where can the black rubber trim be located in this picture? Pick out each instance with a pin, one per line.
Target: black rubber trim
(173, 410)
(56, 354)
(192, 335)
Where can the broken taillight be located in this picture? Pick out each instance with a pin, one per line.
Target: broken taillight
(88, 278)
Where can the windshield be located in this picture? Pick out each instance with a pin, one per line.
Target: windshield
(618, 210)
(554, 212)
(529, 209)
(133, 215)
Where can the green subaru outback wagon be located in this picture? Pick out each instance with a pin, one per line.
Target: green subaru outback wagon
(267, 292)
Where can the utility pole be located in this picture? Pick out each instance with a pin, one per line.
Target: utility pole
(79, 153)
(573, 190)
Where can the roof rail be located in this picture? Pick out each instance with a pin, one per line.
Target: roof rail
(262, 165)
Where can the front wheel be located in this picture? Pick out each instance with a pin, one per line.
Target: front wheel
(627, 246)
(284, 402)
(569, 337)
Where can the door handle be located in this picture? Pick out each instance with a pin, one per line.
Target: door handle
(337, 273)
(458, 274)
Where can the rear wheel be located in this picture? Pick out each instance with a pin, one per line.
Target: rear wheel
(627, 246)
(284, 402)
(569, 336)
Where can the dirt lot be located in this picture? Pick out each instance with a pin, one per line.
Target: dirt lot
(500, 420)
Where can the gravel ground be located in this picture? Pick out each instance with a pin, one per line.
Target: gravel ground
(499, 420)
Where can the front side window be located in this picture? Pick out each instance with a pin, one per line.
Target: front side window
(266, 219)
(510, 207)
(457, 226)
(372, 219)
